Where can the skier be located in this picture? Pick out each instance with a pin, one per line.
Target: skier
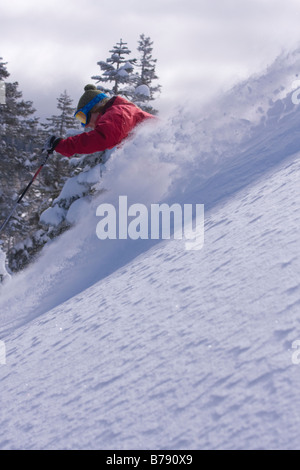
(111, 121)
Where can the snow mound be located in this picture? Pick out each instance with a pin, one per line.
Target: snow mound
(143, 90)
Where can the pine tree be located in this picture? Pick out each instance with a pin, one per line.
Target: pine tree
(18, 140)
(117, 69)
(62, 123)
(145, 91)
(3, 71)
(3, 74)
(22, 139)
(51, 181)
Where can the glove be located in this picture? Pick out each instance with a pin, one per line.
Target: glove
(51, 143)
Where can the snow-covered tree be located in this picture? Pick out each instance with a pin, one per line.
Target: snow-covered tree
(51, 181)
(21, 139)
(3, 74)
(18, 140)
(60, 124)
(145, 90)
(3, 71)
(117, 70)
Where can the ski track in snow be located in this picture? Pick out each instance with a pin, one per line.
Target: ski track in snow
(176, 349)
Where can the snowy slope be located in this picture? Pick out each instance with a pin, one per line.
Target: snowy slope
(126, 344)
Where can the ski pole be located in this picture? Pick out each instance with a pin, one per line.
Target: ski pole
(24, 192)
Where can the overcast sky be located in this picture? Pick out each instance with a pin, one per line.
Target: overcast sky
(201, 45)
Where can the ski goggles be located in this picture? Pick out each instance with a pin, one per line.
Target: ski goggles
(84, 114)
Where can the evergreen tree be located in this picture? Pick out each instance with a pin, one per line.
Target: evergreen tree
(145, 91)
(3, 71)
(51, 181)
(62, 123)
(18, 132)
(3, 74)
(117, 69)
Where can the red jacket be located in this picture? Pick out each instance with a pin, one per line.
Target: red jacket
(116, 121)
